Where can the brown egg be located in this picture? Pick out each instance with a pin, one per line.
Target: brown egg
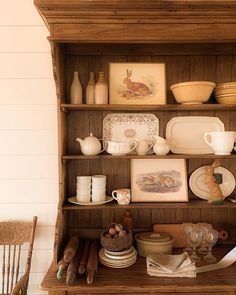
(112, 231)
(118, 228)
(120, 225)
(122, 233)
(108, 236)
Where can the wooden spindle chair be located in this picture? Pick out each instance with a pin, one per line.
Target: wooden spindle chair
(12, 237)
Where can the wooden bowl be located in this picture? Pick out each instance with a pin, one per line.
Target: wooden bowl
(116, 244)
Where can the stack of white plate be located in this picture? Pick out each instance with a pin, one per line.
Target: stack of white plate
(225, 93)
(120, 259)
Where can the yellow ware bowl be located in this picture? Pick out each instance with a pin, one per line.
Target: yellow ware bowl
(192, 92)
(151, 243)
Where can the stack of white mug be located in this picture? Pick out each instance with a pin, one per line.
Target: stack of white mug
(98, 188)
(83, 188)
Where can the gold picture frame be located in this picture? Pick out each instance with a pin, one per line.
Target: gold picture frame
(137, 83)
(159, 180)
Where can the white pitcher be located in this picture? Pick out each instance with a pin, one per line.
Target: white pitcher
(222, 142)
(161, 146)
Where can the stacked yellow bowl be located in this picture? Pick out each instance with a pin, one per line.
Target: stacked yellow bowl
(225, 93)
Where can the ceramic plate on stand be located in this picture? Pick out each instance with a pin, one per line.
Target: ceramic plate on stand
(185, 134)
(196, 182)
(73, 200)
(130, 126)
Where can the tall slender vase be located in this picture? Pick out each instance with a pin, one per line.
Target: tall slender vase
(101, 90)
(90, 89)
(76, 90)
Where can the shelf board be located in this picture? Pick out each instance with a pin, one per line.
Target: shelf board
(167, 107)
(193, 204)
(134, 156)
(135, 280)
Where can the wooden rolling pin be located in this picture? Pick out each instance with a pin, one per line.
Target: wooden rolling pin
(61, 267)
(73, 268)
(71, 249)
(84, 257)
(92, 263)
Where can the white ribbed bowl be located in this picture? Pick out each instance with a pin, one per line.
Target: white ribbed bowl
(192, 92)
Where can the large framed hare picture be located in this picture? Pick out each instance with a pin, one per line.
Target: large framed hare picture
(137, 83)
(159, 180)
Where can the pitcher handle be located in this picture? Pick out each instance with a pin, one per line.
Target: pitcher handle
(133, 145)
(206, 134)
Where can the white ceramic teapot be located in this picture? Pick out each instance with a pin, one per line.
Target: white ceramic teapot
(161, 146)
(90, 146)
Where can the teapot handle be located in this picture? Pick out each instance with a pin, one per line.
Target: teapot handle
(104, 145)
(150, 145)
(132, 145)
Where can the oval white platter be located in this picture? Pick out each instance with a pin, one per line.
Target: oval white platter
(73, 200)
(200, 189)
(185, 134)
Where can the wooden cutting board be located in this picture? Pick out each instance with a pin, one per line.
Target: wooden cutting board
(175, 230)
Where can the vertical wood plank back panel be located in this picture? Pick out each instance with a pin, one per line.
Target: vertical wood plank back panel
(179, 67)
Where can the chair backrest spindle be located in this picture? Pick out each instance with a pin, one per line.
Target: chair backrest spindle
(13, 267)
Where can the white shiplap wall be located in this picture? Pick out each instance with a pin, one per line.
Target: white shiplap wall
(28, 129)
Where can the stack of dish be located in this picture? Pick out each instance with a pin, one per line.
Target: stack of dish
(225, 93)
(120, 259)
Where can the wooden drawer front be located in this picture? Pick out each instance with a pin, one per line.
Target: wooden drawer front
(197, 293)
(159, 293)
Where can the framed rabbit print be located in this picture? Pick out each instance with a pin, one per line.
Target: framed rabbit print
(159, 180)
(137, 83)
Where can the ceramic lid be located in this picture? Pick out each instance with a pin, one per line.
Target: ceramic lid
(154, 237)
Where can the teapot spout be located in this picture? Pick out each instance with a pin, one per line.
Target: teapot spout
(79, 140)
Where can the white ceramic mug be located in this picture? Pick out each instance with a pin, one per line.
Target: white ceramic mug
(122, 196)
(143, 147)
(120, 148)
(83, 198)
(83, 179)
(97, 198)
(222, 142)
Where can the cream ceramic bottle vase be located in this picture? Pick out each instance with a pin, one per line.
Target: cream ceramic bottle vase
(90, 89)
(101, 90)
(76, 90)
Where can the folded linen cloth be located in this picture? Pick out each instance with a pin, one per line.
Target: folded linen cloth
(165, 265)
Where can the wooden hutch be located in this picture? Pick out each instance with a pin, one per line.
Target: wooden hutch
(197, 41)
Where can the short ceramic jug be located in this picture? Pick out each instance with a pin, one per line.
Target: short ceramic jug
(143, 146)
(161, 146)
(90, 146)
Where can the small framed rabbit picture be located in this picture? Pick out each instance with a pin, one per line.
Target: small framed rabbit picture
(159, 180)
(137, 83)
